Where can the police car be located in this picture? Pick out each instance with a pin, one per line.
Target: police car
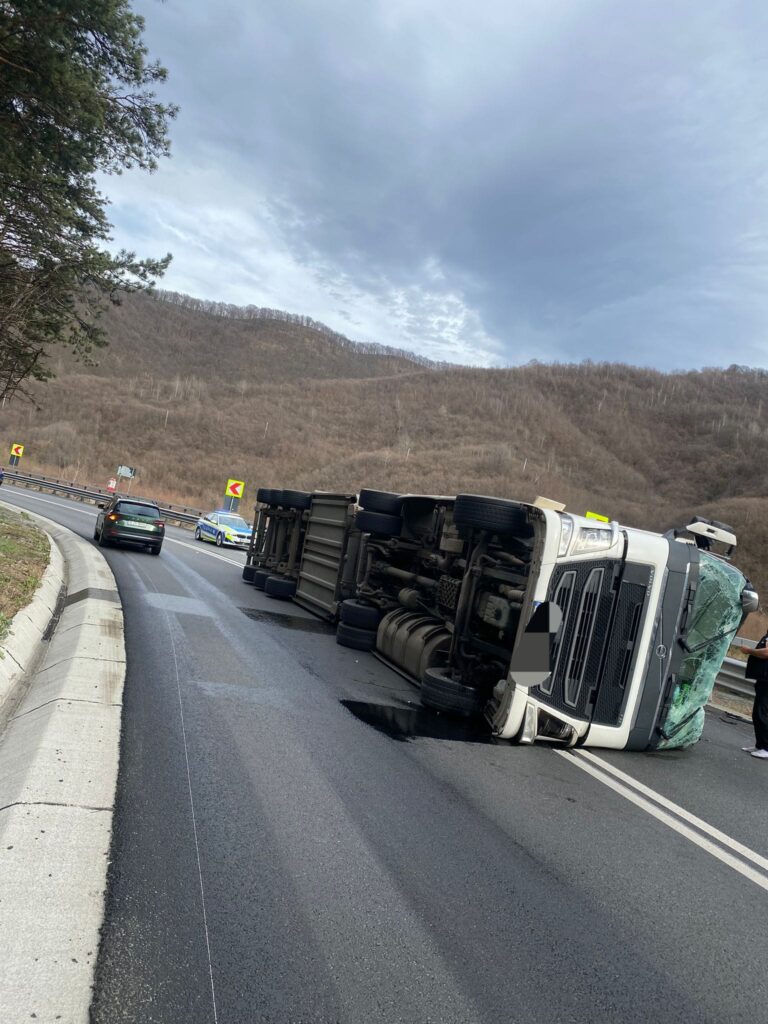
(223, 528)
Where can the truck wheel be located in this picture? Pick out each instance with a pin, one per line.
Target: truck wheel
(249, 571)
(378, 522)
(380, 501)
(493, 514)
(296, 499)
(266, 495)
(260, 578)
(364, 616)
(357, 639)
(280, 587)
(440, 691)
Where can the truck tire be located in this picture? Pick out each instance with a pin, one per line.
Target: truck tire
(296, 499)
(378, 522)
(496, 515)
(364, 616)
(441, 692)
(260, 578)
(357, 639)
(380, 501)
(249, 571)
(267, 495)
(281, 587)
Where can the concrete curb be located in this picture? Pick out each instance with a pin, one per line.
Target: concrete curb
(22, 646)
(58, 773)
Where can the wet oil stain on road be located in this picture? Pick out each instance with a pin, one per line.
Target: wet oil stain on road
(411, 723)
(289, 621)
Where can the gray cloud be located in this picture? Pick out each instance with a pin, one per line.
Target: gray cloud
(488, 183)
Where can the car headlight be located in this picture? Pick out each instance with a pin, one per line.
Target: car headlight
(566, 532)
(593, 538)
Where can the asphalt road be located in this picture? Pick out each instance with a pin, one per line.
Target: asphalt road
(296, 842)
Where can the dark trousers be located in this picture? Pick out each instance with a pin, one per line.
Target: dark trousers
(760, 714)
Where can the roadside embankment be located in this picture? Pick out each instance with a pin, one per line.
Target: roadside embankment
(58, 771)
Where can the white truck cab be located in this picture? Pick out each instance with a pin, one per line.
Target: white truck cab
(639, 624)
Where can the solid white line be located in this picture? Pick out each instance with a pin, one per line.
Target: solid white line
(681, 812)
(58, 504)
(667, 819)
(149, 583)
(200, 550)
(194, 820)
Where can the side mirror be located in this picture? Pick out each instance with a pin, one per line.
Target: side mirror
(102, 505)
(530, 663)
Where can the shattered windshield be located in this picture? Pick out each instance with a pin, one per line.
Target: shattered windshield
(715, 617)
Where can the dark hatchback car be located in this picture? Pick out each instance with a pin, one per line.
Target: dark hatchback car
(130, 522)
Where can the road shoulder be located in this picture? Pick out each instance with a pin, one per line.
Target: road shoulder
(58, 772)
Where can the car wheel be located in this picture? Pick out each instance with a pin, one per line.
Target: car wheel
(493, 514)
(95, 534)
(219, 540)
(380, 501)
(440, 691)
(364, 616)
(357, 639)
(156, 550)
(378, 522)
(280, 587)
(102, 540)
(198, 534)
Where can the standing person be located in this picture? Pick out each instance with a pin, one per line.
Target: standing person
(2, 474)
(757, 669)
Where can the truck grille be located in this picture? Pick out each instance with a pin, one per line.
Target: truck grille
(593, 655)
(609, 706)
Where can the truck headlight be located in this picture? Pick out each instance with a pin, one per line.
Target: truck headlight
(593, 538)
(566, 532)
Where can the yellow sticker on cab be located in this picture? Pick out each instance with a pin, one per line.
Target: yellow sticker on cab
(596, 515)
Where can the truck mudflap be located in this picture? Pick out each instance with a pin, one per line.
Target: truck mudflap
(712, 624)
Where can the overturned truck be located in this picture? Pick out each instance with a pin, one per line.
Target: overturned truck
(553, 626)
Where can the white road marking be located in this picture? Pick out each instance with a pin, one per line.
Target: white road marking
(172, 540)
(721, 837)
(58, 504)
(152, 588)
(669, 820)
(200, 550)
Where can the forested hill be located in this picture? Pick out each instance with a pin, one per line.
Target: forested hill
(193, 392)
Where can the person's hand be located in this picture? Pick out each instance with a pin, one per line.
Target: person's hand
(745, 650)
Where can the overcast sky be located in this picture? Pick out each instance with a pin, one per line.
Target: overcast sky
(486, 182)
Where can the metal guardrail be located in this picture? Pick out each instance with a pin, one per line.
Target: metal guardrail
(731, 679)
(181, 514)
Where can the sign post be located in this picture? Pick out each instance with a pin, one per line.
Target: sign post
(233, 494)
(17, 450)
(128, 472)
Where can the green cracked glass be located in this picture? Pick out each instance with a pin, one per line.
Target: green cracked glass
(715, 617)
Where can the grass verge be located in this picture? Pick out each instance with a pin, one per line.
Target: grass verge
(24, 554)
